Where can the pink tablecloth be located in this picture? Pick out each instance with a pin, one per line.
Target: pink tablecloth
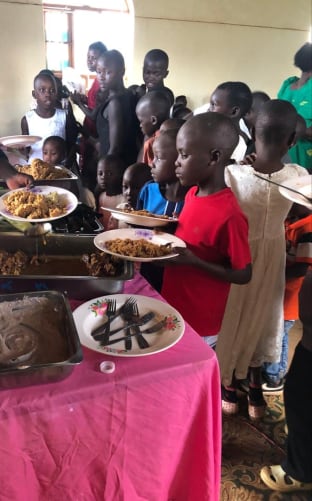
(151, 431)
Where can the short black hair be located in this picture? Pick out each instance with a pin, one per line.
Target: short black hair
(61, 143)
(119, 164)
(158, 104)
(239, 94)
(98, 46)
(157, 55)
(115, 57)
(46, 74)
(303, 57)
(276, 121)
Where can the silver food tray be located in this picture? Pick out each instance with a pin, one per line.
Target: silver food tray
(36, 371)
(64, 245)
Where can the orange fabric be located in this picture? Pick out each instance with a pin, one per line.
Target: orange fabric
(300, 252)
(148, 155)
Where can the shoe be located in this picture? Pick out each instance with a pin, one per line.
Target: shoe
(229, 408)
(256, 410)
(278, 480)
(271, 386)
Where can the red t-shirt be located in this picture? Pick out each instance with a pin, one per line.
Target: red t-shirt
(216, 230)
(90, 124)
(148, 154)
(299, 237)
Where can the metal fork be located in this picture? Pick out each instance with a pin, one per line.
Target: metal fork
(110, 312)
(140, 339)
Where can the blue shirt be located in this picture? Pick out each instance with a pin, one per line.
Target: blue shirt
(151, 199)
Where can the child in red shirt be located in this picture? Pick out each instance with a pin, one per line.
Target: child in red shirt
(212, 225)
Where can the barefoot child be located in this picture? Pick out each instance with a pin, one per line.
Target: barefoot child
(253, 322)
(211, 224)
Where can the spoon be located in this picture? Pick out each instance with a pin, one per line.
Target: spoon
(309, 199)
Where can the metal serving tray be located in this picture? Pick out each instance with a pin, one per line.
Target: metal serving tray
(65, 246)
(41, 368)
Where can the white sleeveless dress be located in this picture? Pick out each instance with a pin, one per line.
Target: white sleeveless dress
(252, 327)
(45, 127)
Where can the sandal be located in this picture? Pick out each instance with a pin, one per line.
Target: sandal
(278, 480)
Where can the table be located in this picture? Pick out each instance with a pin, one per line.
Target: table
(150, 431)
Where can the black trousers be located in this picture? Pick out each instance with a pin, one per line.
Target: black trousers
(298, 409)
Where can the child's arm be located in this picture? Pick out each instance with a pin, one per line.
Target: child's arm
(116, 127)
(227, 274)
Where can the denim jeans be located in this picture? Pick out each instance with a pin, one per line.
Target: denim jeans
(276, 371)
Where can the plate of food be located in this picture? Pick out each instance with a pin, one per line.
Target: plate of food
(38, 204)
(159, 323)
(42, 171)
(20, 141)
(303, 185)
(138, 244)
(140, 217)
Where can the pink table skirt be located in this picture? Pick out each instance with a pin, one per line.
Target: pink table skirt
(150, 431)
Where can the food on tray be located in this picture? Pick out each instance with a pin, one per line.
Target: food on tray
(41, 170)
(143, 212)
(97, 264)
(137, 248)
(30, 205)
(12, 263)
(101, 264)
(22, 338)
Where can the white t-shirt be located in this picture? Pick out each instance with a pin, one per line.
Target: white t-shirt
(45, 127)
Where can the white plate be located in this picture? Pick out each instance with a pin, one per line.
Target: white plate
(155, 237)
(91, 315)
(302, 184)
(149, 221)
(19, 141)
(70, 198)
(70, 174)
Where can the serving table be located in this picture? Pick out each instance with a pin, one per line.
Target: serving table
(149, 431)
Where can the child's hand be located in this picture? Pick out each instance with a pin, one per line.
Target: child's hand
(249, 159)
(19, 180)
(185, 256)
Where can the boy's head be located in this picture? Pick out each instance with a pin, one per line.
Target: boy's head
(276, 125)
(45, 91)
(95, 50)
(301, 128)
(258, 100)
(165, 155)
(54, 150)
(110, 69)
(152, 110)
(303, 58)
(134, 178)
(110, 170)
(205, 144)
(232, 99)
(155, 68)
(171, 123)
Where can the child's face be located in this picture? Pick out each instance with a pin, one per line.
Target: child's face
(45, 93)
(51, 153)
(108, 74)
(92, 57)
(219, 102)
(165, 155)
(193, 161)
(154, 73)
(148, 123)
(131, 187)
(108, 177)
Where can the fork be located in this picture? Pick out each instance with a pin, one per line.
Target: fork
(98, 332)
(110, 312)
(140, 339)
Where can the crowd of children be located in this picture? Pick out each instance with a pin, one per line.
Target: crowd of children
(152, 153)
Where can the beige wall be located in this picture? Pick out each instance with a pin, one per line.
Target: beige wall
(208, 41)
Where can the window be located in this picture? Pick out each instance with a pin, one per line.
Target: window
(71, 28)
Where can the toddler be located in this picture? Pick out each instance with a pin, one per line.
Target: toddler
(134, 178)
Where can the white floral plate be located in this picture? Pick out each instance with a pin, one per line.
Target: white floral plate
(155, 237)
(140, 220)
(303, 184)
(91, 315)
(20, 141)
(68, 197)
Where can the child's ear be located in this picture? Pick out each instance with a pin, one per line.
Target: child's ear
(154, 120)
(166, 73)
(33, 94)
(235, 111)
(214, 156)
(292, 140)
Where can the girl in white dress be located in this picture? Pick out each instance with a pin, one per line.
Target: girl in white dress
(252, 327)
